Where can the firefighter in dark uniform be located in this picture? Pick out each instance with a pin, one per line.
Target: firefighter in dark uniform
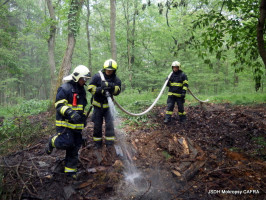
(178, 85)
(100, 89)
(70, 118)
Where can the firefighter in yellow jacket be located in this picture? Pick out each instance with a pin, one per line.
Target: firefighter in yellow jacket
(70, 118)
(178, 85)
(100, 89)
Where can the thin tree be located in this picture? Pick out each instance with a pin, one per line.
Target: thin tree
(112, 28)
(51, 47)
(261, 31)
(130, 34)
(88, 34)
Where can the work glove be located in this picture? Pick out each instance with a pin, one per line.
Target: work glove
(108, 85)
(105, 85)
(99, 90)
(73, 115)
(111, 85)
(108, 88)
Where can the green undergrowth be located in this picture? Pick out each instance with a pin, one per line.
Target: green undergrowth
(24, 108)
(19, 127)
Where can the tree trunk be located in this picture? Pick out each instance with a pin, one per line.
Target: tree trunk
(260, 30)
(130, 36)
(51, 48)
(73, 26)
(132, 57)
(112, 28)
(88, 34)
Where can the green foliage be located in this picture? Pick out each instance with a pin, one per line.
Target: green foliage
(16, 129)
(23, 61)
(136, 121)
(157, 40)
(73, 17)
(8, 40)
(25, 108)
(231, 25)
(136, 102)
(166, 155)
(1, 183)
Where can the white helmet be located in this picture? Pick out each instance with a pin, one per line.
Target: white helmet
(80, 71)
(176, 64)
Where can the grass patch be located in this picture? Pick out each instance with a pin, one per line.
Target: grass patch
(136, 102)
(24, 108)
(16, 128)
(17, 133)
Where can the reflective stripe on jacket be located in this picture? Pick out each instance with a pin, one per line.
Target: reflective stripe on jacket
(64, 100)
(98, 98)
(178, 84)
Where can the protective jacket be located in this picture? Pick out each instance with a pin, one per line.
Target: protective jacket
(101, 108)
(70, 95)
(178, 84)
(95, 88)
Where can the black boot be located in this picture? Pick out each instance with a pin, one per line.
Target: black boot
(49, 147)
(182, 118)
(72, 175)
(167, 119)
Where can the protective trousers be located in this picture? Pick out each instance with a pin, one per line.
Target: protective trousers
(97, 118)
(170, 107)
(70, 141)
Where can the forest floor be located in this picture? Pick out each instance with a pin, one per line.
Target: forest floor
(219, 153)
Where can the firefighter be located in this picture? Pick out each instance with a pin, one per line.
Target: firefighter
(178, 85)
(70, 118)
(100, 89)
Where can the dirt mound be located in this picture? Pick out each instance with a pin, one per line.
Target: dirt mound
(218, 153)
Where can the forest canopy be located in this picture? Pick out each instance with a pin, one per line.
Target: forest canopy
(220, 44)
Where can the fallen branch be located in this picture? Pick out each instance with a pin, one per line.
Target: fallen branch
(24, 184)
(37, 171)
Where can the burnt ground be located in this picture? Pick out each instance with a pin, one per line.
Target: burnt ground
(219, 153)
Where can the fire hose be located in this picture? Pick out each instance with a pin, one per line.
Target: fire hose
(155, 101)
